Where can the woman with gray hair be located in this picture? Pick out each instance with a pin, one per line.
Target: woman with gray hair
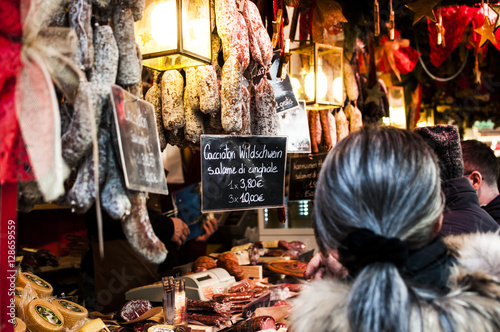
(378, 208)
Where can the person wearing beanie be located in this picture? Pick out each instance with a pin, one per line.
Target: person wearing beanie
(481, 168)
(462, 213)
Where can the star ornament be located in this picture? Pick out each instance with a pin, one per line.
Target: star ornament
(423, 8)
(374, 94)
(487, 32)
(496, 9)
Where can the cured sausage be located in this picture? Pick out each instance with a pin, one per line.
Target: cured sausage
(315, 130)
(208, 89)
(350, 84)
(259, 32)
(77, 140)
(265, 107)
(232, 31)
(342, 125)
(329, 129)
(80, 14)
(114, 197)
(355, 117)
(231, 98)
(139, 232)
(154, 97)
(193, 97)
(129, 71)
(105, 66)
(172, 92)
(194, 121)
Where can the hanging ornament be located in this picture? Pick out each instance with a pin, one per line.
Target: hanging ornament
(496, 9)
(392, 24)
(440, 30)
(374, 94)
(487, 32)
(476, 71)
(423, 8)
(376, 18)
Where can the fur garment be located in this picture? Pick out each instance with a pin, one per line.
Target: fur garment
(473, 303)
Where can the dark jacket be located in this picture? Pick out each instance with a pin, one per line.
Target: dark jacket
(462, 213)
(493, 209)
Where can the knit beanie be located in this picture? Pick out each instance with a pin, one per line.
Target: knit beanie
(445, 142)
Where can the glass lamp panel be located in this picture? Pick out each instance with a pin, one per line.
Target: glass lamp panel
(196, 31)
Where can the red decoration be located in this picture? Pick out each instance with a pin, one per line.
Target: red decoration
(396, 56)
(14, 162)
(455, 20)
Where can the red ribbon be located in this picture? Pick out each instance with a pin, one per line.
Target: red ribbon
(8, 225)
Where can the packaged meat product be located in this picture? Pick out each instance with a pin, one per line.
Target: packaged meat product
(207, 306)
(134, 309)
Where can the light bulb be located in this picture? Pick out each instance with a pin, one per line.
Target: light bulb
(321, 80)
(164, 24)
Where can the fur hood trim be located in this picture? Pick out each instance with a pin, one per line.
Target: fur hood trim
(473, 304)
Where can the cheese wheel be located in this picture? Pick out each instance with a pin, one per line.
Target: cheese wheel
(40, 286)
(71, 311)
(161, 328)
(43, 316)
(19, 325)
(95, 325)
(21, 300)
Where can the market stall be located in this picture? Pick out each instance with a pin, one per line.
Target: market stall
(104, 103)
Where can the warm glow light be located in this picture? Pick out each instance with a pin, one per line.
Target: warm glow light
(398, 117)
(386, 120)
(338, 91)
(322, 84)
(422, 124)
(164, 24)
(296, 86)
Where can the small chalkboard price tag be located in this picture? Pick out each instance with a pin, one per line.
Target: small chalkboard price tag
(242, 172)
(304, 173)
(138, 143)
(283, 90)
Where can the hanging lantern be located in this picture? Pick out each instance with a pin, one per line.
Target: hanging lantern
(316, 74)
(174, 34)
(397, 110)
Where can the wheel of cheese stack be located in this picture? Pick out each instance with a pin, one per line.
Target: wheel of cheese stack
(43, 316)
(21, 300)
(19, 325)
(40, 286)
(71, 311)
(94, 325)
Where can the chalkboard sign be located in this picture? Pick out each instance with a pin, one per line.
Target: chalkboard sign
(138, 143)
(304, 173)
(242, 172)
(283, 90)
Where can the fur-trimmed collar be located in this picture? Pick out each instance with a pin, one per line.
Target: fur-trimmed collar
(473, 304)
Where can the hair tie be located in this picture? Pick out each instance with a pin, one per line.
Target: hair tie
(363, 247)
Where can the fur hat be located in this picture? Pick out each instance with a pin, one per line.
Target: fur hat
(445, 142)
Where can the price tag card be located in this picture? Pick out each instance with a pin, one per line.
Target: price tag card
(304, 173)
(283, 90)
(242, 172)
(138, 142)
(293, 123)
